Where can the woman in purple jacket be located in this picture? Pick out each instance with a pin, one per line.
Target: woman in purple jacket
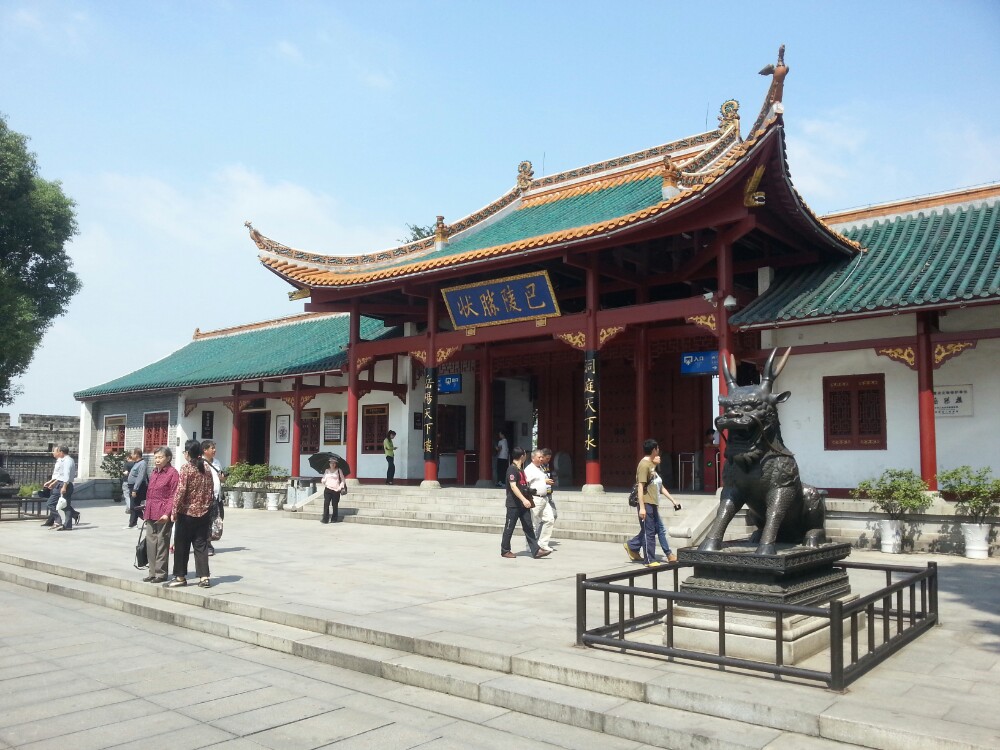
(159, 503)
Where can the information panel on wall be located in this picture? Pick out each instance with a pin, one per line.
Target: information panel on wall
(488, 303)
(449, 384)
(333, 428)
(953, 400)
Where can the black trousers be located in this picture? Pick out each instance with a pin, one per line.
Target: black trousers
(331, 505)
(390, 471)
(522, 514)
(191, 531)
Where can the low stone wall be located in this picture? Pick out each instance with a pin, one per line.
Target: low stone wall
(936, 530)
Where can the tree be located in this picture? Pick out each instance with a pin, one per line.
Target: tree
(417, 232)
(36, 277)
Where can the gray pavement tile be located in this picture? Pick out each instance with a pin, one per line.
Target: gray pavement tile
(238, 703)
(427, 721)
(33, 667)
(298, 685)
(486, 738)
(269, 717)
(320, 730)
(45, 706)
(237, 743)
(78, 721)
(389, 737)
(116, 733)
(442, 703)
(186, 738)
(199, 690)
(560, 735)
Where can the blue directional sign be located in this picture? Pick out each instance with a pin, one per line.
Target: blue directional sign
(449, 383)
(699, 363)
(525, 297)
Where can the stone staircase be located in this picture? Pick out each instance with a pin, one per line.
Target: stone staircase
(601, 517)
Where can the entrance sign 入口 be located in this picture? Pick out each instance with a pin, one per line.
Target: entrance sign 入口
(953, 400)
(488, 303)
(449, 383)
(699, 363)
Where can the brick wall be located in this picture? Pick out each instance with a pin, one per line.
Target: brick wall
(37, 433)
(134, 410)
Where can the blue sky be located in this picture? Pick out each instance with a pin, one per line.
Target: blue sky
(331, 125)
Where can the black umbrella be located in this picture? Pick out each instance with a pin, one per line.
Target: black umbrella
(321, 462)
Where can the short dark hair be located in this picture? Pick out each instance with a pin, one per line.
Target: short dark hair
(516, 452)
(206, 444)
(649, 445)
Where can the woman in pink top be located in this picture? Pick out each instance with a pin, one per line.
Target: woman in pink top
(193, 498)
(333, 486)
(160, 493)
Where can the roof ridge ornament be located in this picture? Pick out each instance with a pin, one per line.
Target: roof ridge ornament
(525, 174)
(440, 234)
(671, 178)
(777, 73)
(729, 115)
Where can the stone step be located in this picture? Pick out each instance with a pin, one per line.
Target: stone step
(658, 726)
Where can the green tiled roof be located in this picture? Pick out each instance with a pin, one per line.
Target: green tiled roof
(912, 261)
(282, 349)
(565, 213)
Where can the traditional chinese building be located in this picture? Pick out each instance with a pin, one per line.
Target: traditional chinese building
(580, 310)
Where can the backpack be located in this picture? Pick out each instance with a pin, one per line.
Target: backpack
(633, 496)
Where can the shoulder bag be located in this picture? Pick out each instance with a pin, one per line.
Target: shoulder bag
(141, 558)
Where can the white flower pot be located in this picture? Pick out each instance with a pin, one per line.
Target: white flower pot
(248, 499)
(977, 540)
(892, 535)
(273, 500)
(234, 498)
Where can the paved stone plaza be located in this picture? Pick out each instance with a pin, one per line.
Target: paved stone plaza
(351, 635)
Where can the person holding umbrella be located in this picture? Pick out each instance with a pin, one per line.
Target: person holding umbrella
(334, 485)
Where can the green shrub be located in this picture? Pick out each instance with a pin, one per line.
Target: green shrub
(895, 493)
(977, 492)
(27, 490)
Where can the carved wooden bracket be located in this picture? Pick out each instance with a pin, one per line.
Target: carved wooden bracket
(304, 399)
(944, 352)
(703, 321)
(578, 339)
(906, 355)
(189, 407)
(443, 355)
(363, 362)
(607, 334)
(420, 356)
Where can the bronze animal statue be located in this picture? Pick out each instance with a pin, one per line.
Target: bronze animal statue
(760, 472)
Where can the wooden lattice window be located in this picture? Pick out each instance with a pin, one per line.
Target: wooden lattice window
(114, 435)
(309, 431)
(854, 412)
(374, 426)
(154, 434)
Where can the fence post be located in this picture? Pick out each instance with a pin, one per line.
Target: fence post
(837, 645)
(581, 608)
(932, 567)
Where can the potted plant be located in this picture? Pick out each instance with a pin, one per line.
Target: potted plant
(113, 465)
(278, 479)
(236, 478)
(257, 477)
(896, 493)
(978, 496)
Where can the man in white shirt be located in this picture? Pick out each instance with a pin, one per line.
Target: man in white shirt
(60, 486)
(541, 514)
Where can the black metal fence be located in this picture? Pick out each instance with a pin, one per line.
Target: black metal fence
(895, 615)
(27, 469)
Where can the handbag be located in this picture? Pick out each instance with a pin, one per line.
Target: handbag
(633, 496)
(216, 529)
(141, 557)
(61, 505)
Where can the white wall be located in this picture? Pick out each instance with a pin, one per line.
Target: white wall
(960, 440)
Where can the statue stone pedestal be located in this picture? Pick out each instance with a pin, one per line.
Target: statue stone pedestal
(794, 575)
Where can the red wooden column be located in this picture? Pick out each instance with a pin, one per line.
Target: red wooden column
(925, 399)
(352, 386)
(485, 419)
(641, 387)
(430, 397)
(296, 429)
(234, 451)
(726, 344)
(592, 385)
